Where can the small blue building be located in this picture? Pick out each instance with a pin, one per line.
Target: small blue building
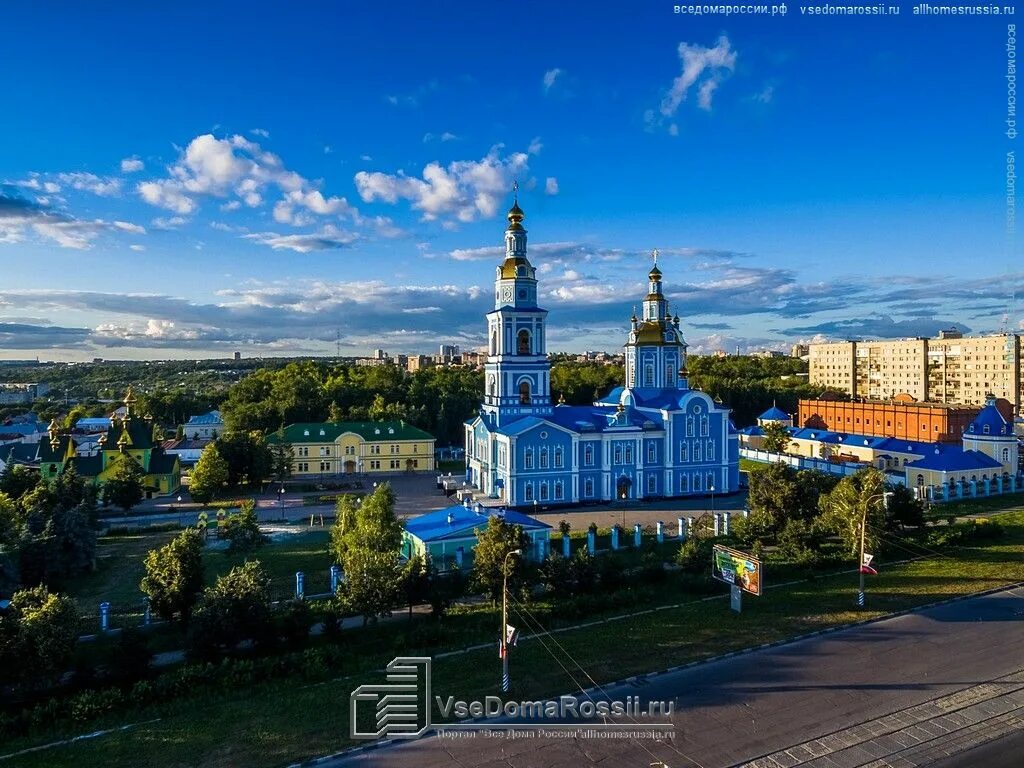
(652, 438)
(441, 534)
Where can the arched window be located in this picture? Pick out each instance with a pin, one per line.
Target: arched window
(529, 491)
(558, 489)
(543, 458)
(920, 479)
(1006, 455)
(528, 459)
(588, 455)
(649, 375)
(490, 386)
(494, 342)
(523, 343)
(524, 392)
(543, 491)
(684, 483)
(558, 458)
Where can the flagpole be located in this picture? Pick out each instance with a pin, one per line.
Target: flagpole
(505, 680)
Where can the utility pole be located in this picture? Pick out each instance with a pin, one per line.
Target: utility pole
(506, 681)
(863, 535)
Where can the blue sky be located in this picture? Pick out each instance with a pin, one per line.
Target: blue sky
(203, 178)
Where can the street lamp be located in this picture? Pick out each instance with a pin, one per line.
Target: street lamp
(863, 535)
(505, 679)
(623, 511)
(711, 488)
(280, 500)
(179, 511)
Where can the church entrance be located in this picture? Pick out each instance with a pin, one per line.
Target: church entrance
(622, 488)
(350, 467)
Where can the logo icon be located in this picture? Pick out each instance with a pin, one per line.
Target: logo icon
(400, 707)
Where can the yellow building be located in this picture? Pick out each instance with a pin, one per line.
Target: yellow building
(339, 448)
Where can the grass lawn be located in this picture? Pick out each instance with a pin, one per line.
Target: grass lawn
(962, 508)
(119, 569)
(290, 720)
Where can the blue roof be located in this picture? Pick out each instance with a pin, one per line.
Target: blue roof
(652, 397)
(955, 459)
(990, 417)
(434, 526)
(97, 422)
(213, 417)
(22, 428)
(774, 414)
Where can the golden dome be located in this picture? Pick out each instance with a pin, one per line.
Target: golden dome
(510, 267)
(655, 273)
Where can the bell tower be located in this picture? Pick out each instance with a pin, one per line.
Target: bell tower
(517, 375)
(655, 350)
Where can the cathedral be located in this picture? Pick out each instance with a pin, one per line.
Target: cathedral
(652, 438)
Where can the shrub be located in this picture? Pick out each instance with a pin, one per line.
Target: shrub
(91, 704)
(694, 556)
(294, 618)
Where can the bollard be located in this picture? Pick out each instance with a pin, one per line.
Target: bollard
(459, 554)
(615, 537)
(637, 534)
(725, 523)
(566, 546)
(746, 513)
(300, 585)
(591, 542)
(104, 617)
(335, 578)
(661, 532)
(147, 614)
(681, 521)
(718, 524)
(691, 526)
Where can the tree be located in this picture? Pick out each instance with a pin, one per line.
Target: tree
(235, 608)
(248, 457)
(854, 499)
(242, 530)
(17, 480)
(903, 508)
(38, 633)
(174, 575)
(281, 455)
(776, 437)
(491, 563)
(209, 476)
(344, 522)
(366, 546)
(124, 487)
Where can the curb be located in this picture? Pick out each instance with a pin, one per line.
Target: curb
(641, 678)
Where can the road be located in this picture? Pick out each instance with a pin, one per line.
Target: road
(943, 684)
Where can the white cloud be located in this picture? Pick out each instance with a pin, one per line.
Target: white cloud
(550, 77)
(446, 136)
(261, 132)
(137, 247)
(765, 95)
(18, 216)
(701, 66)
(551, 186)
(535, 146)
(330, 237)
(463, 191)
(132, 165)
(168, 223)
(240, 171)
(126, 226)
(90, 182)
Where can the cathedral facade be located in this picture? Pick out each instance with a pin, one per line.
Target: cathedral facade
(652, 438)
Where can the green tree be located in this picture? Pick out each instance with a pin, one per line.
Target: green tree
(249, 458)
(124, 487)
(368, 553)
(491, 563)
(209, 476)
(344, 523)
(235, 608)
(242, 530)
(281, 455)
(38, 633)
(17, 480)
(855, 498)
(174, 575)
(776, 437)
(903, 508)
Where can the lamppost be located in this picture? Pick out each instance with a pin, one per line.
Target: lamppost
(280, 500)
(863, 535)
(179, 511)
(506, 681)
(623, 511)
(711, 488)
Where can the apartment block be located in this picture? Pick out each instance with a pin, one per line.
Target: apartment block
(949, 369)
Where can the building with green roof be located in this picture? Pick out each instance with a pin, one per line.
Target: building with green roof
(349, 447)
(128, 438)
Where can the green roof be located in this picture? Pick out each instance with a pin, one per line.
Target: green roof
(328, 432)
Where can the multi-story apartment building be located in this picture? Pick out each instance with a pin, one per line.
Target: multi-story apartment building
(949, 369)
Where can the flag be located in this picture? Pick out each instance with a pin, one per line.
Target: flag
(511, 635)
(865, 567)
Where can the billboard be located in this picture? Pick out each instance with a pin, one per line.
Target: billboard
(738, 568)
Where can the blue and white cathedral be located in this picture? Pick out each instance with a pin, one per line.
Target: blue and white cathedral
(653, 438)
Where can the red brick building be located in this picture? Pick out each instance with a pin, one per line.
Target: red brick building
(901, 418)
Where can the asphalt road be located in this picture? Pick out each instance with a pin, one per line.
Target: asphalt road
(916, 687)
